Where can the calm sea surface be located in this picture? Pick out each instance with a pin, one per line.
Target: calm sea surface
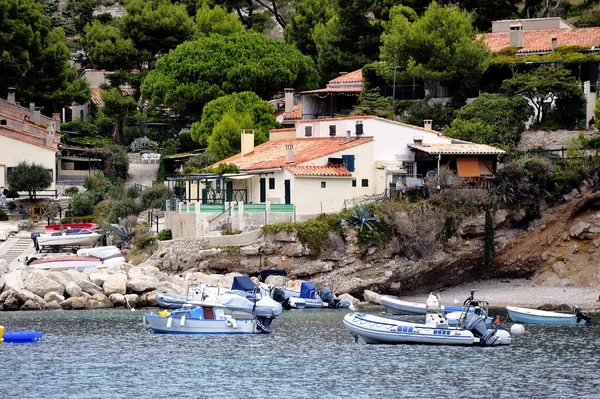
(108, 354)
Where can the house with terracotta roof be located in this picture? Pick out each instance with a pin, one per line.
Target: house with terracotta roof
(338, 97)
(95, 78)
(27, 135)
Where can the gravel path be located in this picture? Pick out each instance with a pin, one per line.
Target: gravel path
(516, 292)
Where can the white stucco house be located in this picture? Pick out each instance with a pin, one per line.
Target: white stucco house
(321, 164)
(26, 135)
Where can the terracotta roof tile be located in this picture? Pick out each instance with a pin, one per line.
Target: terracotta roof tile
(334, 171)
(97, 97)
(352, 77)
(285, 129)
(295, 114)
(342, 118)
(272, 154)
(541, 40)
(339, 89)
(457, 149)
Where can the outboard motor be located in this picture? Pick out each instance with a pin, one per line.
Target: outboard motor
(34, 237)
(265, 310)
(278, 294)
(327, 297)
(580, 315)
(488, 337)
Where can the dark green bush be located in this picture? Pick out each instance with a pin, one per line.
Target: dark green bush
(132, 192)
(116, 191)
(3, 215)
(11, 206)
(81, 204)
(164, 235)
(155, 195)
(144, 242)
(120, 208)
(71, 191)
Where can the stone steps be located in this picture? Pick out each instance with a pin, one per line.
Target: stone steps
(15, 248)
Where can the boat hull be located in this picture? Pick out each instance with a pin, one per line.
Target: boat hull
(67, 262)
(21, 337)
(66, 226)
(400, 307)
(541, 317)
(68, 240)
(179, 325)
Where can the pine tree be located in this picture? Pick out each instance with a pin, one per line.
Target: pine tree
(488, 240)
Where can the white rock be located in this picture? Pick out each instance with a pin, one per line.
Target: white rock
(98, 278)
(354, 301)
(117, 299)
(53, 297)
(142, 284)
(72, 289)
(38, 283)
(3, 267)
(131, 300)
(371, 297)
(165, 286)
(60, 277)
(89, 287)
(114, 285)
(14, 281)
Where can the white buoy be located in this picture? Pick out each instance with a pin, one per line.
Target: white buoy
(517, 329)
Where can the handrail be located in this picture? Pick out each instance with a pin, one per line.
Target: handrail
(219, 215)
(59, 210)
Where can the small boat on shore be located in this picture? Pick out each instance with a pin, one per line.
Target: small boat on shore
(170, 300)
(471, 328)
(67, 238)
(543, 317)
(68, 226)
(224, 314)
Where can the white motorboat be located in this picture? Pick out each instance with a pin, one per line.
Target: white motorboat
(399, 307)
(222, 314)
(67, 238)
(471, 329)
(535, 316)
(65, 262)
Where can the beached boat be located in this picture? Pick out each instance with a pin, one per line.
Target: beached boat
(105, 253)
(471, 329)
(399, 307)
(68, 226)
(170, 300)
(83, 259)
(224, 314)
(535, 316)
(67, 238)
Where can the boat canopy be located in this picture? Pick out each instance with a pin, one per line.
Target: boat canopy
(307, 290)
(263, 274)
(243, 283)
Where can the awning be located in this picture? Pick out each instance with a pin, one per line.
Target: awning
(468, 167)
(242, 177)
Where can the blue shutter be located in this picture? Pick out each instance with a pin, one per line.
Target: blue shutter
(348, 162)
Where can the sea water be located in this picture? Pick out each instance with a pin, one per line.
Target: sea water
(108, 354)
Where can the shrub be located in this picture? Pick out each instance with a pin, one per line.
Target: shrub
(3, 215)
(30, 177)
(116, 191)
(164, 235)
(11, 206)
(132, 192)
(144, 242)
(120, 208)
(96, 181)
(155, 195)
(81, 204)
(230, 232)
(143, 144)
(71, 191)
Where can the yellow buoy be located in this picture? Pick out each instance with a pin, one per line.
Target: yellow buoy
(163, 313)
(1, 334)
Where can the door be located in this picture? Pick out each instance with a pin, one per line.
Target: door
(229, 191)
(263, 190)
(288, 195)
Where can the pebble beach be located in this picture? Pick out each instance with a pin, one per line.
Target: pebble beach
(517, 292)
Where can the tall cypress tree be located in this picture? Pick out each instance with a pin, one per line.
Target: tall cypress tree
(488, 240)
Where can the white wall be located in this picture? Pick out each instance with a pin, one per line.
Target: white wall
(310, 198)
(14, 151)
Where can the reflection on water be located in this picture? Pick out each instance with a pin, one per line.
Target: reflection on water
(107, 354)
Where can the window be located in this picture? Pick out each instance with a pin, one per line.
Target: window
(365, 182)
(353, 182)
(348, 162)
(332, 130)
(409, 167)
(308, 131)
(323, 184)
(81, 114)
(271, 183)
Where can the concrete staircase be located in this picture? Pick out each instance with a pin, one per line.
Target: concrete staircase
(16, 248)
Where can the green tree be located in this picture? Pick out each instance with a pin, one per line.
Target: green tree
(107, 49)
(307, 15)
(371, 102)
(439, 47)
(348, 41)
(491, 119)
(119, 108)
(248, 103)
(30, 177)
(225, 140)
(35, 59)
(489, 248)
(547, 85)
(217, 20)
(156, 26)
(199, 71)
(254, 13)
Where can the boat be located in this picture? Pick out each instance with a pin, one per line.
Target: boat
(21, 337)
(535, 316)
(67, 238)
(68, 226)
(65, 262)
(170, 300)
(471, 328)
(224, 314)
(397, 306)
(103, 253)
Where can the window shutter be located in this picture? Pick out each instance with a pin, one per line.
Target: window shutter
(348, 162)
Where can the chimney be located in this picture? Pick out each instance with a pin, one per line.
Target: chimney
(56, 121)
(289, 100)
(427, 124)
(516, 36)
(37, 116)
(418, 140)
(343, 73)
(50, 138)
(247, 141)
(348, 134)
(554, 43)
(11, 95)
(289, 153)
(31, 106)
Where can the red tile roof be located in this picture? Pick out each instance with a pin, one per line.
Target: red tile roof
(272, 154)
(295, 114)
(318, 171)
(97, 97)
(457, 149)
(284, 129)
(343, 118)
(535, 41)
(340, 89)
(352, 77)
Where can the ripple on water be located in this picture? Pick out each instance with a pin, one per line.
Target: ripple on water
(107, 354)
